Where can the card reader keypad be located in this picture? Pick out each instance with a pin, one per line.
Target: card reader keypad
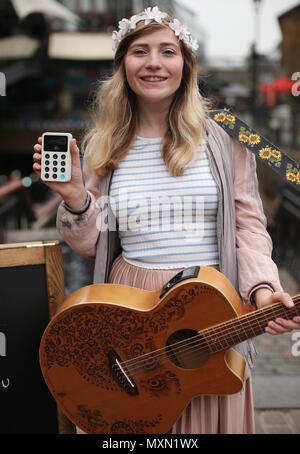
(55, 166)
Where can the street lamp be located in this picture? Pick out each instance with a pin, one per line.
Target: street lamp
(254, 59)
(257, 5)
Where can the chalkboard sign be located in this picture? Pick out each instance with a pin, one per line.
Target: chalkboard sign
(31, 290)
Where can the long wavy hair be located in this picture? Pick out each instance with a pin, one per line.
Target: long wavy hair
(116, 109)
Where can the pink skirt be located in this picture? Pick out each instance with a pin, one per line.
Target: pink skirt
(232, 414)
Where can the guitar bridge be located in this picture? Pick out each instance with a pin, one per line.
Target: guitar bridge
(122, 375)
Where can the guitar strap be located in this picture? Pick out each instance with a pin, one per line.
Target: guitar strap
(283, 164)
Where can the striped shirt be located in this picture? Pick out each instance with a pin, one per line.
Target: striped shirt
(164, 222)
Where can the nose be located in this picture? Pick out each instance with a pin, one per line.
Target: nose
(153, 61)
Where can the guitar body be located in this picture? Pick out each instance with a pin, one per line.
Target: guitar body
(111, 360)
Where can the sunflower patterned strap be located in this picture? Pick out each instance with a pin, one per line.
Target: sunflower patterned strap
(285, 166)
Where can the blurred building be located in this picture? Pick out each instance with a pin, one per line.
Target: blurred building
(103, 15)
(290, 27)
(52, 60)
(54, 54)
(285, 115)
(99, 15)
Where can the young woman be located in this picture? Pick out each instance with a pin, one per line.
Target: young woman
(153, 146)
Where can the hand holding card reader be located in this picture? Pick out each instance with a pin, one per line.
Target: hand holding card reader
(56, 157)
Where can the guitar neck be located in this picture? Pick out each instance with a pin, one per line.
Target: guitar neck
(232, 332)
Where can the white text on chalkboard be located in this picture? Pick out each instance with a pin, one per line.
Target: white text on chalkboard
(2, 344)
(5, 382)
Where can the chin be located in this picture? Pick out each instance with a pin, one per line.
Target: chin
(156, 97)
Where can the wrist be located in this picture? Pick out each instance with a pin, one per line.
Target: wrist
(78, 204)
(261, 295)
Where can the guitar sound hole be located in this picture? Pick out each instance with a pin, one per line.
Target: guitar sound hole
(187, 349)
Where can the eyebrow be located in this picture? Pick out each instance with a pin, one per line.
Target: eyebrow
(147, 45)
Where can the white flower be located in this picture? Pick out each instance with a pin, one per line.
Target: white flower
(154, 14)
(193, 43)
(116, 39)
(124, 26)
(148, 15)
(135, 19)
(180, 30)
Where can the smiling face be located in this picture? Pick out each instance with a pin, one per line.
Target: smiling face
(153, 66)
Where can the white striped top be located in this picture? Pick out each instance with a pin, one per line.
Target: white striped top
(164, 221)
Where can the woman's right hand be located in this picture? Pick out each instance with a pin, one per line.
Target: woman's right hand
(73, 192)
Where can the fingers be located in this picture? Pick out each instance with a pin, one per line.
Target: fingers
(73, 146)
(284, 298)
(74, 152)
(37, 156)
(281, 325)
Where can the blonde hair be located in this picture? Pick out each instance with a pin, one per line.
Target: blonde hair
(115, 123)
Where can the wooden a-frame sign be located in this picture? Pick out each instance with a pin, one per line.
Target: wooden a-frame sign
(31, 290)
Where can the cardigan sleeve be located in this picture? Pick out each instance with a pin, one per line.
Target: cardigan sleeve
(80, 231)
(253, 242)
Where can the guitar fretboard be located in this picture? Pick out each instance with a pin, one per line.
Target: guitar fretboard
(230, 333)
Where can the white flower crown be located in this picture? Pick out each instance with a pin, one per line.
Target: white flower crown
(150, 14)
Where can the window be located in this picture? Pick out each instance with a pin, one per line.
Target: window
(100, 6)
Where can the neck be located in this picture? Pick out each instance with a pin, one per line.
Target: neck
(153, 118)
(232, 332)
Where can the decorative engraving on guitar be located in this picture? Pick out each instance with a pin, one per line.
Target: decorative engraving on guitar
(86, 336)
(124, 360)
(93, 421)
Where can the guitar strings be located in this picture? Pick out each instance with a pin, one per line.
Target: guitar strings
(191, 345)
(185, 355)
(152, 355)
(239, 321)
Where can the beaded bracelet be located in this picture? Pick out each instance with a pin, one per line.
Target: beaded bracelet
(82, 209)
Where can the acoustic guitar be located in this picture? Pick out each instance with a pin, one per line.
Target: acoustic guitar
(118, 359)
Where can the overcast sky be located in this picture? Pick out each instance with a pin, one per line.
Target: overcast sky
(230, 28)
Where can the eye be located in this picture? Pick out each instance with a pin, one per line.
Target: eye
(169, 52)
(139, 51)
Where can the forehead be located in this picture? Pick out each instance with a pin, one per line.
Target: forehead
(156, 38)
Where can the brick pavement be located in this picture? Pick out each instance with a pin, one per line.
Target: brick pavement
(275, 359)
(283, 421)
(275, 356)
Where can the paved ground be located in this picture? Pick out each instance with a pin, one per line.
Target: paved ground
(276, 378)
(277, 421)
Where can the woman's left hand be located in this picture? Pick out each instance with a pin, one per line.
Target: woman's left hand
(264, 297)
